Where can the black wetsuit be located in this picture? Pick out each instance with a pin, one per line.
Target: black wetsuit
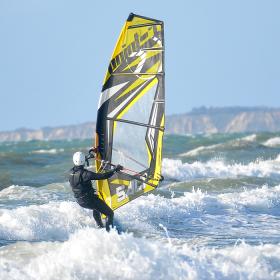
(80, 181)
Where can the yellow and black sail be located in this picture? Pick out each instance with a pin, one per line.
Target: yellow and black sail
(130, 119)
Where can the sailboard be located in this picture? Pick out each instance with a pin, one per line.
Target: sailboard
(130, 118)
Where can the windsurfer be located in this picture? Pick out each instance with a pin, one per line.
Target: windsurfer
(80, 181)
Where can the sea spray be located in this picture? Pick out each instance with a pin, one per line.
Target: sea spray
(91, 253)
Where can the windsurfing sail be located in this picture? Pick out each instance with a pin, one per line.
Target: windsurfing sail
(130, 118)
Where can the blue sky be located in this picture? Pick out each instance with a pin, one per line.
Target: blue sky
(54, 54)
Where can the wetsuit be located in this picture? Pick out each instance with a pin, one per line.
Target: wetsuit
(80, 181)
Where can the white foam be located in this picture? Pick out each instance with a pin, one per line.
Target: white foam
(177, 170)
(198, 150)
(145, 213)
(272, 142)
(50, 151)
(51, 192)
(95, 254)
(266, 197)
(249, 138)
(198, 200)
(51, 221)
(56, 220)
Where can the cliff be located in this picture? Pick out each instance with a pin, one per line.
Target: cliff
(199, 120)
(81, 131)
(225, 120)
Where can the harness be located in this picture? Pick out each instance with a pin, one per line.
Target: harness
(79, 188)
(80, 181)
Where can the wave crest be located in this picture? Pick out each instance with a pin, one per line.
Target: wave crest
(272, 142)
(179, 171)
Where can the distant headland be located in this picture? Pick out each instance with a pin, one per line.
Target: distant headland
(199, 120)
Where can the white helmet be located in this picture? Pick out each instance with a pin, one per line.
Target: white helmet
(79, 158)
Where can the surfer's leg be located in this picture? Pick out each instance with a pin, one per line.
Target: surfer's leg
(109, 220)
(97, 217)
(88, 203)
(102, 207)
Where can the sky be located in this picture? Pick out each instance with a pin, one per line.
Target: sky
(54, 55)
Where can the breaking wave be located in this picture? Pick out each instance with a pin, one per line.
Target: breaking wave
(272, 142)
(249, 138)
(24, 195)
(56, 220)
(123, 256)
(179, 171)
(236, 143)
(198, 150)
(89, 253)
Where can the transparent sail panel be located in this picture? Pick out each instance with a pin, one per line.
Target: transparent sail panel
(129, 147)
(140, 111)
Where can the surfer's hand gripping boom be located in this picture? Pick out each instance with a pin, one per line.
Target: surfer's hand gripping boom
(118, 168)
(92, 152)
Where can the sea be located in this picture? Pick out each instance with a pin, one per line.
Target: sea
(215, 216)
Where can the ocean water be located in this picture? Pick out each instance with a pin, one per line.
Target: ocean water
(216, 215)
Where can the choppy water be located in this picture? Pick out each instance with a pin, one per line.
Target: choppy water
(217, 215)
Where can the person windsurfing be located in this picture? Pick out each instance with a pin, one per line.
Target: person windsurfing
(80, 180)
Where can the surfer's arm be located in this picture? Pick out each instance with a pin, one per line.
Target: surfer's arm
(99, 176)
